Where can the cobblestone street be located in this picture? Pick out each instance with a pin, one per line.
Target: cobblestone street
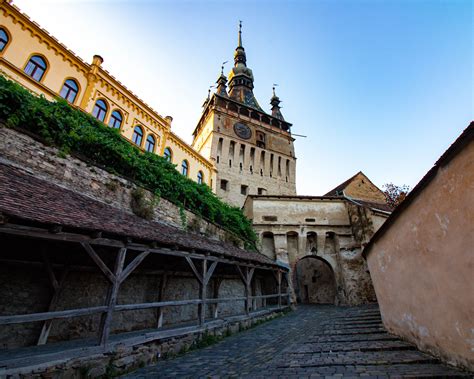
(313, 341)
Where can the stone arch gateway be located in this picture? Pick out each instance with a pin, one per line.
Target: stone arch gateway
(315, 280)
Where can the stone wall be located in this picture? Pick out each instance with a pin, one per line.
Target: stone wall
(27, 290)
(78, 175)
(294, 230)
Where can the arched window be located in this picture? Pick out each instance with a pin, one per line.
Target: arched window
(3, 39)
(168, 154)
(184, 168)
(36, 67)
(115, 120)
(137, 136)
(100, 110)
(150, 143)
(69, 90)
(200, 177)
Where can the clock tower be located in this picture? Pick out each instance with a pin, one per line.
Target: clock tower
(252, 150)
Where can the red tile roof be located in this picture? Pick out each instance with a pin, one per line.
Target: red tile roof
(29, 198)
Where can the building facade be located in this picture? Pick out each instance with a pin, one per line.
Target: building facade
(39, 62)
(252, 150)
(321, 239)
(423, 259)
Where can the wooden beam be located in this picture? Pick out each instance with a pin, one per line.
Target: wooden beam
(198, 276)
(33, 317)
(203, 288)
(106, 319)
(210, 272)
(215, 295)
(161, 293)
(85, 238)
(50, 271)
(58, 287)
(279, 287)
(133, 265)
(99, 262)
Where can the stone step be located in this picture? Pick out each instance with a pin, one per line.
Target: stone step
(351, 338)
(365, 346)
(390, 357)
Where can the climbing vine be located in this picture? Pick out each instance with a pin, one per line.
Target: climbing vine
(73, 131)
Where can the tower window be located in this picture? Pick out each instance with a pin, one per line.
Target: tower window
(224, 184)
(150, 143)
(36, 67)
(137, 136)
(115, 120)
(69, 90)
(260, 139)
(184, 168)
(261, 191)
(100, 110)
(168, 155)
(244, 190)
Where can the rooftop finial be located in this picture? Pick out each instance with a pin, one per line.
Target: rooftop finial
(240, 34)
(274, 85)
(222, 67)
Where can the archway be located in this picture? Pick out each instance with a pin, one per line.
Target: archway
(316, 281)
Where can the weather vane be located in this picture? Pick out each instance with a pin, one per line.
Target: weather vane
(222, 67)
(274, 85)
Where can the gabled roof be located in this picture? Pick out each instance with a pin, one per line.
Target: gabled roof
(336, 191)
(466, 137)
(30, 199)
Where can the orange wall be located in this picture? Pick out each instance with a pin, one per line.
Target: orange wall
(422, 266)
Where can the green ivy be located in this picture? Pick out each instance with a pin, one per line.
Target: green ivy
(73, 131)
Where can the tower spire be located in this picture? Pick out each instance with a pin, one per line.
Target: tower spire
(241, 77)
(239, 44)
(275, 103)
(222, 82)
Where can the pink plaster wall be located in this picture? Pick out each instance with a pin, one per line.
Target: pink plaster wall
(422, 267)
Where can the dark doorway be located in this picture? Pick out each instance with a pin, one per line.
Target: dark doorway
(316, 281)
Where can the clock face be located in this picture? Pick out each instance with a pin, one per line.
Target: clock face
(242, 130)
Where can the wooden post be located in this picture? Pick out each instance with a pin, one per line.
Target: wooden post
(58, 286)
(202, 290)
(203, 279)
(246, 277)
(254, 293)
(215, 295)
(288, 297)
(106, 319)
(279, 288)
(161, 292)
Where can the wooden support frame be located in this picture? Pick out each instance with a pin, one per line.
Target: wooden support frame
(106, 319)
(203, 278)
(161, 293)
(277, 274)
(116, 276)
(246, 277)
(215, 294)
(58, 286)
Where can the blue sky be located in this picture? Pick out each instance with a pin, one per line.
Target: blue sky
(382, 87)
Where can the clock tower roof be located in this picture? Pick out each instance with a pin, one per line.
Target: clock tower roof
(241, 77)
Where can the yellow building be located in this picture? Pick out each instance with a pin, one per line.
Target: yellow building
(32, 57)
